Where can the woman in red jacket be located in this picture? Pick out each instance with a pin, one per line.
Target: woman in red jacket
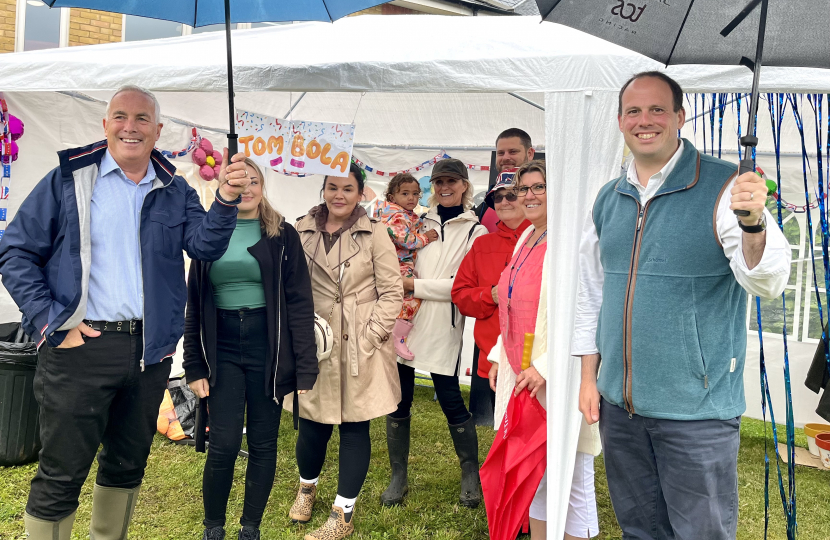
(474, 290)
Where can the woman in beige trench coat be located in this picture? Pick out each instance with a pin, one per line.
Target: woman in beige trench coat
(357, 288)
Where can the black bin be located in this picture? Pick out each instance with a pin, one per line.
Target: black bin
(19, 425)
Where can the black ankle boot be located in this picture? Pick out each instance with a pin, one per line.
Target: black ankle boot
(248, 533)
(397, 440)
(465, 439)
(214, 533)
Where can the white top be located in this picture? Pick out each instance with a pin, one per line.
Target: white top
(767, 279)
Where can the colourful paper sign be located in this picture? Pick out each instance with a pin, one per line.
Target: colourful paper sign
(296, 146)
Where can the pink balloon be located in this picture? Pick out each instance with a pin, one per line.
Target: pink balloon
(216, 170)
(206, 172)
(206, 146)
(15, 127)
(217, 157)
(199, 156)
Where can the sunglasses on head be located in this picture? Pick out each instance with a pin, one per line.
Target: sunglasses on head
(507, 194)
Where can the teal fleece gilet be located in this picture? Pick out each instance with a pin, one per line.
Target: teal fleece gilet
(671, 331)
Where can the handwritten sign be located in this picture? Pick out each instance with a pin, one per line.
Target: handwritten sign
(296, 146)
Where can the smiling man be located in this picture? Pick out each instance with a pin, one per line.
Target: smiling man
(93, 259)
(665, 268)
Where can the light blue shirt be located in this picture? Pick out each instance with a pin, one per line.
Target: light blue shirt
(115, 287)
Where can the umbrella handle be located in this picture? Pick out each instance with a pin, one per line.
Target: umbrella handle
(747, 165)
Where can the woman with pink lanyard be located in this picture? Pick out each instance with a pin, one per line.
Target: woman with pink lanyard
(523, 309)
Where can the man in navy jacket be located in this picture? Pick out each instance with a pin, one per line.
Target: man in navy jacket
(93, 259)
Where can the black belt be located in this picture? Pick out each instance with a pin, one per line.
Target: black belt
(132, 327)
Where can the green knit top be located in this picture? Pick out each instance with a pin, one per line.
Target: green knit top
(236, 278)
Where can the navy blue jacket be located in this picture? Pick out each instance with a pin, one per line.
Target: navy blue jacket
(45, 251)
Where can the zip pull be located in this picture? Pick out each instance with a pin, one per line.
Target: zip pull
(630, 416)
(640, 218)
(706, 381)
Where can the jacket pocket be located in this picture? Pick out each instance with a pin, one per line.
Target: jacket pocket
(691, 340)
(167, 233)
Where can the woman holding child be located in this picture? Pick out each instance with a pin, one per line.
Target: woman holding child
(437, 328)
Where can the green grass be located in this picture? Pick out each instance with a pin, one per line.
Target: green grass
(170, 506)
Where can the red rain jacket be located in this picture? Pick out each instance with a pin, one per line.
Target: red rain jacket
(478, 274)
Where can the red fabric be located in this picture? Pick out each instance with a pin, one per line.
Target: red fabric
(514, 467)
(490, 220)
(478, 274)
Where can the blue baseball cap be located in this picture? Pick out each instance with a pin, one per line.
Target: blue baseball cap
(504, 180)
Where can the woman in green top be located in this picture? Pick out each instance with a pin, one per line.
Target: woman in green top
(243, 350)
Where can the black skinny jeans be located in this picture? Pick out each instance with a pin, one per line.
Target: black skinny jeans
(355, 452)
(447, 388)
(242, 344)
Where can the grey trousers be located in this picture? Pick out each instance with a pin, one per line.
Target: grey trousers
(671, 479)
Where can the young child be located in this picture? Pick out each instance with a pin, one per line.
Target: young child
(404, 226)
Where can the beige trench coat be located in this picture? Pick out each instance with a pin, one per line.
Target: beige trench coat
(360, 380)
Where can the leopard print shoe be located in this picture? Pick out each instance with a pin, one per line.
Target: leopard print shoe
(335, 528)
(301, 509)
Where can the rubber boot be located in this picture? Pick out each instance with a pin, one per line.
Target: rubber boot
(304, 503)
(40, 529)
(112, 510)
(339, 525)
(397, 440)
(465, 439)
(400, 333)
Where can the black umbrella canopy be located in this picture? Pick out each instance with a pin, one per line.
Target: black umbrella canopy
(690, 31)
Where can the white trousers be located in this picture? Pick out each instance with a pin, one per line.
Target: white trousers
(582, 520)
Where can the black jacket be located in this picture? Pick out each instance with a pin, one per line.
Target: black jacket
(292, 351)
(818, 378)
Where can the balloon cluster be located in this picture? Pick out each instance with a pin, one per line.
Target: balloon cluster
(11, 150)
(208, 160)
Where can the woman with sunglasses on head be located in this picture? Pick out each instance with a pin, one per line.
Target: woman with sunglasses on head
(523, 309)
(356, 283)
(438, 327)
(248, 342)
(475, 290)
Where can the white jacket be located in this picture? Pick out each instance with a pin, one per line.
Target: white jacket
(589, 441)
(439, 327)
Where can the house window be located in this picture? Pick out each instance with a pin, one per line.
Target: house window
(41, 26)
(211, 28)
(143, 28)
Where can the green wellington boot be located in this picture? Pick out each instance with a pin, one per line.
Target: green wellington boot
(397, 440)
(40, 529)
(465, 439)
(112, 510)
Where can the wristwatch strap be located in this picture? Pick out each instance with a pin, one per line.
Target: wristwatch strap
(760, 227)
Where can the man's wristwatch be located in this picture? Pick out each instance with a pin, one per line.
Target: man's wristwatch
(760, 227)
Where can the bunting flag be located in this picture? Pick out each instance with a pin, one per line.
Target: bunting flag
(194, 144)
(425, 165)
(6, 158)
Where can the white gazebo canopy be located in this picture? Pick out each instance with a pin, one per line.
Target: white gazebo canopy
(431, 83)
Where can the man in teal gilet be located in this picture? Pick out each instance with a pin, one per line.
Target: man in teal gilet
(665, 268)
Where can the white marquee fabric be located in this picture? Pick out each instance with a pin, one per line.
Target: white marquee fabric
(431, 81)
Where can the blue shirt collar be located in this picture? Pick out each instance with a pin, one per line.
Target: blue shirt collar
(109, 165)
